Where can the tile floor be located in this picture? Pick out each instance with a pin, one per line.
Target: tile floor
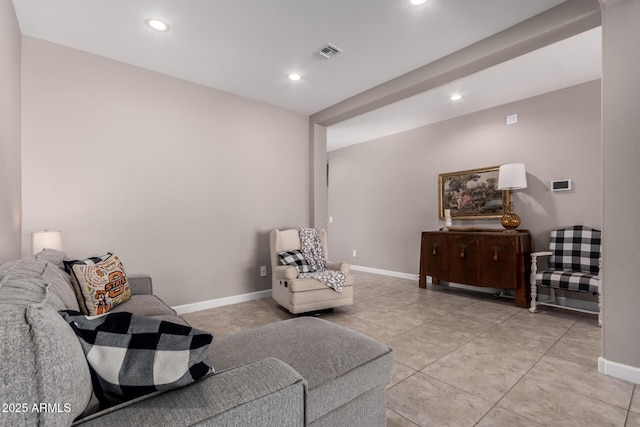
(468, 359)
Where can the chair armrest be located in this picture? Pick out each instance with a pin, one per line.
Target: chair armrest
(265, 392)
(339, 266)
(283, 272)
(539, 254)
(140, 284)
(534, 263)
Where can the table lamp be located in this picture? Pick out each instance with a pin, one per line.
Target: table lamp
(45, 240)
(511, 177)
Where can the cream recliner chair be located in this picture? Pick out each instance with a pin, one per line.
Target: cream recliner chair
(300, 295)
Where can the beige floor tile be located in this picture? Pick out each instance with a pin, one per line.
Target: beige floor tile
(585, 352)
(484, 380)
(372, 331)
(500, 353)
(493, 311)
(426, 401)
(244, 306)
(584, 380)
(362, 309)
(460, 321)
(420, 312)
(414, 352)
(553, 405)
(212, 314)
(400, 372)
(397, 420)
(395, 322)
(633, 420)
(550, 324)
(583, 331)
(386, 303)
(500, 417)
(529, 339)
(441, 336)
(370, 292)
(635, 401)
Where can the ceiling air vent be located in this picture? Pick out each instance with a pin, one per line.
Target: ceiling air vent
(329, 51)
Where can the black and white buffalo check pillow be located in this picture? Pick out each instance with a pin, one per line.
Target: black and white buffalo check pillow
(296, 259)
(131, 355)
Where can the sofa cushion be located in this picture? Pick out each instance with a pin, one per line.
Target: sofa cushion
(338, 363)
(54, 256)
(41, 361)
(100, 283)
(144, 305)
(45, 266)
(130, 355)
(295, 258)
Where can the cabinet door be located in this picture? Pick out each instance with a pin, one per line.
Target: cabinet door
(463, 258)
(434, 255)
(498, 259)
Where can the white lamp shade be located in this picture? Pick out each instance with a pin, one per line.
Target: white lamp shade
(45, 240)
(512, 177)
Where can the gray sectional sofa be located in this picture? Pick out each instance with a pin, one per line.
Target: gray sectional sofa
(303, 371)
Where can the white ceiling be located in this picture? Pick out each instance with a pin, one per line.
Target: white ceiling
(248, 47)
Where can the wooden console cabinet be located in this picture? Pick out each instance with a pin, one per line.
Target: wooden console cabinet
(489, 258)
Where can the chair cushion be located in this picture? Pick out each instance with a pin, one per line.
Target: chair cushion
(575, 248)
(571, 281)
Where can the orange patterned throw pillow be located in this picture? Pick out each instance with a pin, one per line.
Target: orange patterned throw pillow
(100, 283)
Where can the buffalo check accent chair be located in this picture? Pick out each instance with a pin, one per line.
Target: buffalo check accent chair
(574, 263)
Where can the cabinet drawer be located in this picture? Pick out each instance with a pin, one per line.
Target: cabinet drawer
(435, 255)
(497, 258)
(463, 259)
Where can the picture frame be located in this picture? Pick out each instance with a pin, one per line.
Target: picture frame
(471, 194)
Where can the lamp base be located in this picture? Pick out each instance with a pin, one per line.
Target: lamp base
(510, 221)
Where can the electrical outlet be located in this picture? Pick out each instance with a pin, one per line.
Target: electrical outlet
(263, 271)
(354, 253)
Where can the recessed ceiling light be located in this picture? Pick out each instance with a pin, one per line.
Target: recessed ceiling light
(455, 97)
(417, 2)
(157, 24)
(295, 76)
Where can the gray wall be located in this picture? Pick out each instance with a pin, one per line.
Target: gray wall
(621, 133)
(183, 182)
(9, 133)
(383, 193)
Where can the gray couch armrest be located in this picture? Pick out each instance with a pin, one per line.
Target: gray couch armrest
(263, 393)
(140, 284)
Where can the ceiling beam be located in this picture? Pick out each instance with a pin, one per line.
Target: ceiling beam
(563, 21)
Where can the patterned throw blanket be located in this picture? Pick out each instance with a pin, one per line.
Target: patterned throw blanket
(311, 248)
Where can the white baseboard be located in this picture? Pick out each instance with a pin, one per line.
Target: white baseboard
(397, 274)
(618, 370)
(219, 302)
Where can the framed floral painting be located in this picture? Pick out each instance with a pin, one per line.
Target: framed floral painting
(471, 194)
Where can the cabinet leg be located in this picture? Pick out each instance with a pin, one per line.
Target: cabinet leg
(523, 297)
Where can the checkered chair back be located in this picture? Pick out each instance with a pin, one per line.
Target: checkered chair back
(576, 248)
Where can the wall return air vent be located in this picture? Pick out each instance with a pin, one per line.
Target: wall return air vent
(329, 51)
